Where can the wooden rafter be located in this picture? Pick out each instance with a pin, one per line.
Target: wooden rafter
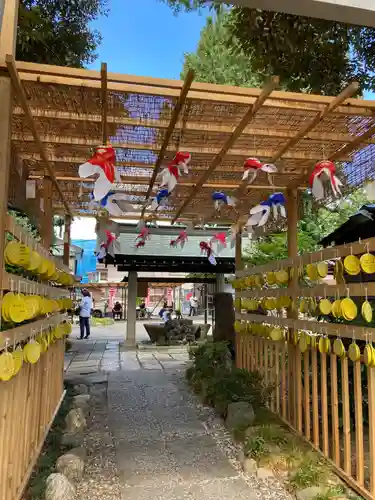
(168, 134)
(21, 96)
(201, 126)
(45, 73)
(251, 112)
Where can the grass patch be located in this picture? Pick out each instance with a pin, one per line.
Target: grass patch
(331, 493)
(51, 451)
(312, 471)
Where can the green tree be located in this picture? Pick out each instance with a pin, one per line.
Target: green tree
(215, 60)
(58, 31)
(311, 55)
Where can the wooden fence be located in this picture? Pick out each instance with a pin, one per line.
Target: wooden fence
(29, 402)
(328, 399)
(30, 399)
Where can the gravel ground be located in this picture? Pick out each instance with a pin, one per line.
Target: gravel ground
(100, 481)
(269, 489)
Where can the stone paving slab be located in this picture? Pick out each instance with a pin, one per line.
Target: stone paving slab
(232, 489)
(199, 459)
(146, 464)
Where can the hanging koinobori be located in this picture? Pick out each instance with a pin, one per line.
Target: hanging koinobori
(220, 239)
(107, 247)
(161, 198)
(323, 180)
(169, 179)
(220, 199)
(103, 164)
(143, 236)
(206, 249)
(259, 215)
(253, 166)
(115, 203)
(172, 172)
(180, 241)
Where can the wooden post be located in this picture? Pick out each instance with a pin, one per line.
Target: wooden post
(47, 227)
(131, 324)
(8, 36)
(66, 255)
(237, 300)
(238, 265)
(292, 214)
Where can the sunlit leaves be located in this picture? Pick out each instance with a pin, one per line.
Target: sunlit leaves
(58, 31)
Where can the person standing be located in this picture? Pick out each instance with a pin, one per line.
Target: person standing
(85, 308)
(193, 306)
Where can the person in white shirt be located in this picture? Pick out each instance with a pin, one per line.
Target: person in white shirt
(85, 308)
(193, 305)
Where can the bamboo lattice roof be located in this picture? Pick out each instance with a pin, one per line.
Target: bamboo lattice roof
(294, 131)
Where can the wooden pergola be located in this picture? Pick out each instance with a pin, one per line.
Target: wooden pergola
(51, 120)
(61, 114)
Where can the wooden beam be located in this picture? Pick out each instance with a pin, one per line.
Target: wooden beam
(126, 180)
(77, 213)
(201, 126)
(104, 103)
(326, 254)
(168, 134)
(46, 73)
(71, 169)
(335, 329)
(251, 112)
(22, 98)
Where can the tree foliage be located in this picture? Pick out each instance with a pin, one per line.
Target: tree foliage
(312, 48)
(311, 55)
(308, 54)
(215, 61)
(58, 31)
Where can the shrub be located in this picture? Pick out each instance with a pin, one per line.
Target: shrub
(220, 383)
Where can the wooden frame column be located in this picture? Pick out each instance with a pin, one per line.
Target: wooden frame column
(8, 36)
(66, 254)
(131, 319)
(238, 265)
(293, 351)
(47, 226)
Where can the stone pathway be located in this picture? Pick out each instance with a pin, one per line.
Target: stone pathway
(151, 439)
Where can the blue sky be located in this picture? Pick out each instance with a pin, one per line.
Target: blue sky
(145, 38)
